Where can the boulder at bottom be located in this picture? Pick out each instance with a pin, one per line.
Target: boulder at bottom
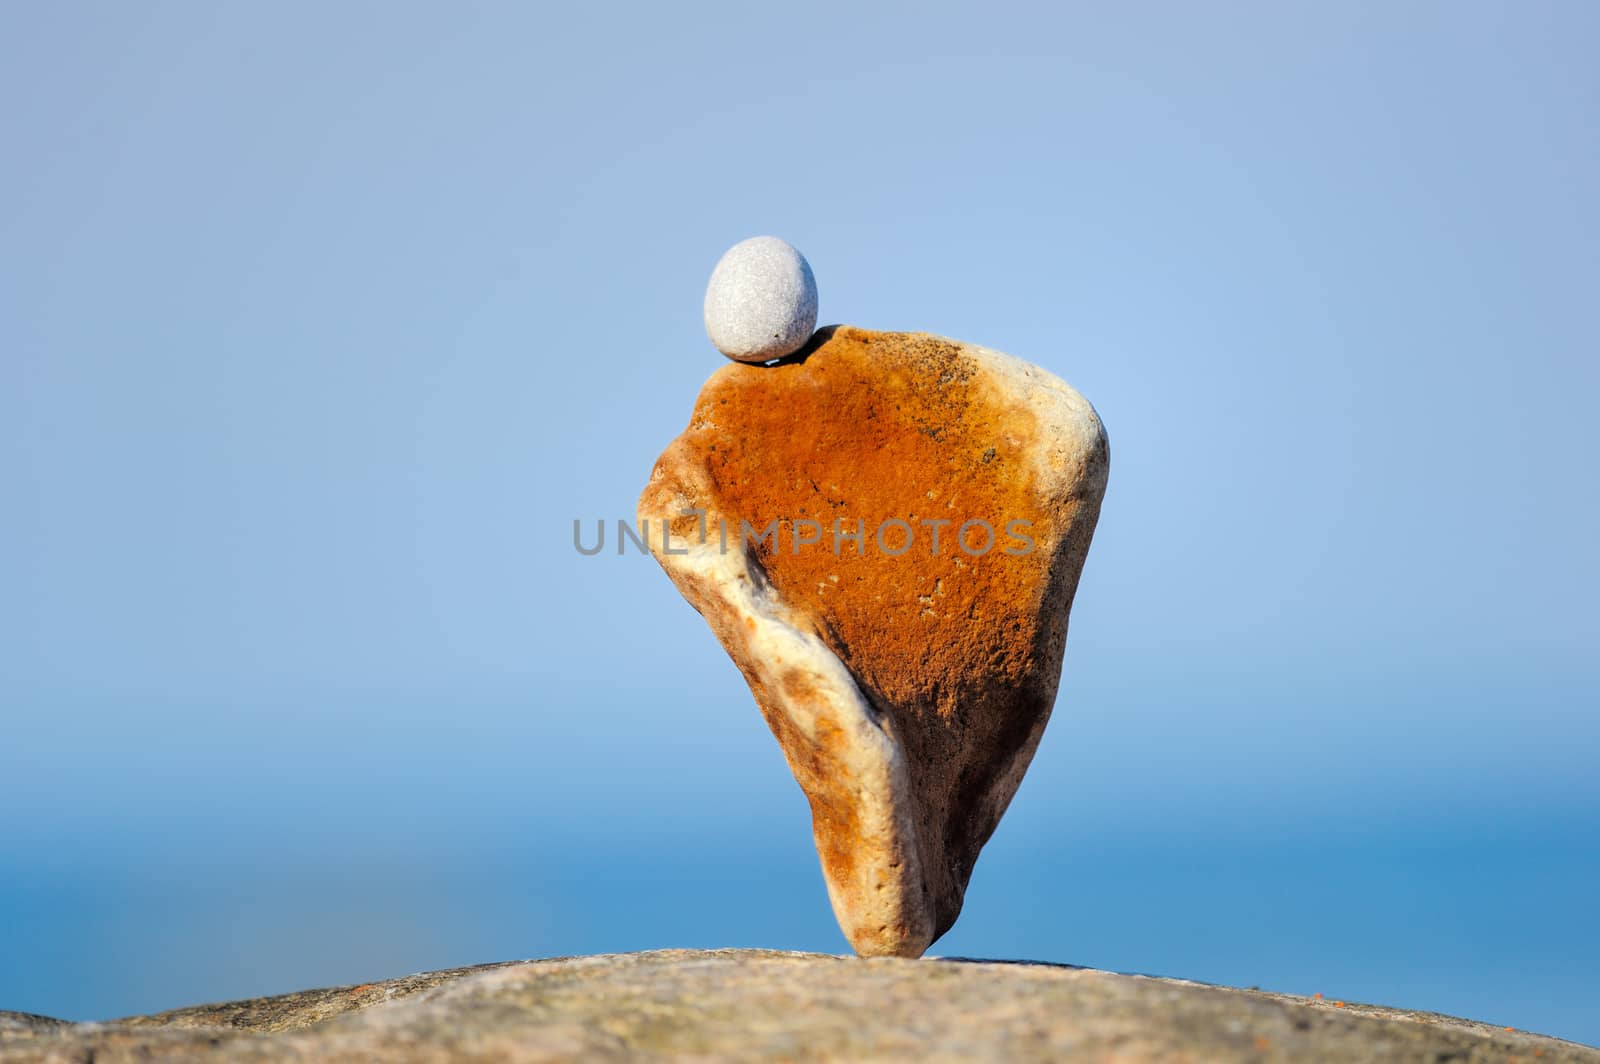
(761, 1005)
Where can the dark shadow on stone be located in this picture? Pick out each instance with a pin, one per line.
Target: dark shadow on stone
(818, 338)
(1012, 963)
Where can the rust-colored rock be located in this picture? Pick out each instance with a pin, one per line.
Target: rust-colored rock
(907, 684)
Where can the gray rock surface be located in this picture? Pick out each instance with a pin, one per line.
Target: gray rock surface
(761, 1005)
(761, 303)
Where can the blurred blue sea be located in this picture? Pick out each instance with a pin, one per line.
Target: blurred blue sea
(1490, 919)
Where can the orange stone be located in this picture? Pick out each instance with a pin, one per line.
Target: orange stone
(908, 681)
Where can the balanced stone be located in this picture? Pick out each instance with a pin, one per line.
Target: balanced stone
(761, 303)
(886, 536)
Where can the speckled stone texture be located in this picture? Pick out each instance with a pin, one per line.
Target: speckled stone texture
(907, 683)
(760, 1005)
(761, 303)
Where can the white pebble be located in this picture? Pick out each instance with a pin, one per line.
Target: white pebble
(761, 303)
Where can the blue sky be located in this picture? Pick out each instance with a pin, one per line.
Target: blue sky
(321, 323)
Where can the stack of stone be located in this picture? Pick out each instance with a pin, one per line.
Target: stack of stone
(885, 531)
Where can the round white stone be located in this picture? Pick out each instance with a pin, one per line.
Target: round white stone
(761, 303)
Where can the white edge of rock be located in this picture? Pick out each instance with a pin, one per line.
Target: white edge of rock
(873, 759)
